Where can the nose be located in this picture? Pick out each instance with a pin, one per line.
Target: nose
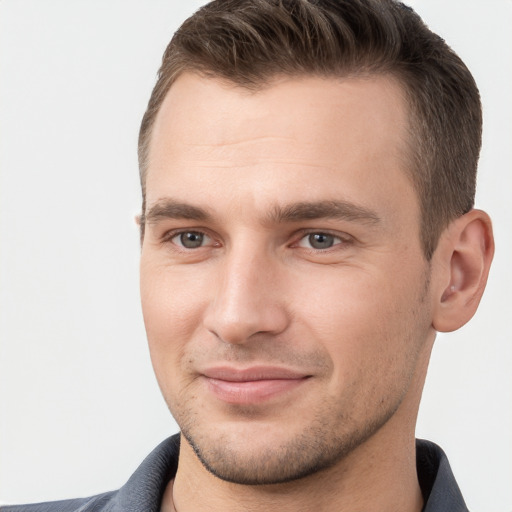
(247, 299)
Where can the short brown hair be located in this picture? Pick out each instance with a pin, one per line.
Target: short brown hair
(249, 42)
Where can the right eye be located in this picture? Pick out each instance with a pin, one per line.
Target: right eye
(191, 239)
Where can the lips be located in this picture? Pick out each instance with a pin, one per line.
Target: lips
(252, 385)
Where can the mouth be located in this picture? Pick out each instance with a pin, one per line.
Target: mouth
(252, 385)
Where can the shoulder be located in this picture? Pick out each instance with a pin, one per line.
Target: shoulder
(98, 503)
(142, 493)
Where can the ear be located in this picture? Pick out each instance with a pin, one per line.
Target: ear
(462, 261)
(139, 220)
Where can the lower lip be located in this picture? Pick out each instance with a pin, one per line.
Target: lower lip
(251, 392)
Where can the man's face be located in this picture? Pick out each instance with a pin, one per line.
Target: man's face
(284, 289)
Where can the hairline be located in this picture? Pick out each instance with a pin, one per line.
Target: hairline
(412, 151)
(264, 83)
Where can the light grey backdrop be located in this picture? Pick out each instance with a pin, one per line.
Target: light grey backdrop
(79, 406)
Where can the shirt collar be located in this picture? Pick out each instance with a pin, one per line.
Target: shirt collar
(438, 485)
(145, 488)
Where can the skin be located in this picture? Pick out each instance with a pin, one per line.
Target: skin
(304, 255)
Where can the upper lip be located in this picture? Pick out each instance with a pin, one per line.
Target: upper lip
(253, 373)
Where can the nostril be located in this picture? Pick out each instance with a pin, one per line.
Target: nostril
(248, 323)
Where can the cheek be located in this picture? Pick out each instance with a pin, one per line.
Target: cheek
(348, 300)
(370, 323)
(172, 305)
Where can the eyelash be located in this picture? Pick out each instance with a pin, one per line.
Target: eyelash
(170, 235)
(341, 240)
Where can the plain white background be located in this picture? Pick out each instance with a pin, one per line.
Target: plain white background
(79, 406)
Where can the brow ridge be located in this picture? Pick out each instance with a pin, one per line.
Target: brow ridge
(171, 209)
(295, 212)
(341, 210)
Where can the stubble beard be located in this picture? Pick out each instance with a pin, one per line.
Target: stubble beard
(321, 445)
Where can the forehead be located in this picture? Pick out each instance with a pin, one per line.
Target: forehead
(301, 137)
(298, 107)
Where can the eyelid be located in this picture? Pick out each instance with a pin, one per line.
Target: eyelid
(344, 238)
(169, 235)
(204, 240)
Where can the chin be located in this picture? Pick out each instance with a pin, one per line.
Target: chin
(261, 455)
(257, 463)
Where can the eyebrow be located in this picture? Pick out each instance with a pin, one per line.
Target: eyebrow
(340, 210)
(171, 209)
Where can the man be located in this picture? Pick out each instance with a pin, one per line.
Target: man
(308, 174)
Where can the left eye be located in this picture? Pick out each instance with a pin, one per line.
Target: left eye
(319, 241)
(190, 239)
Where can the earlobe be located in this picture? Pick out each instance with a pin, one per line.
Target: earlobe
(463, 259)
